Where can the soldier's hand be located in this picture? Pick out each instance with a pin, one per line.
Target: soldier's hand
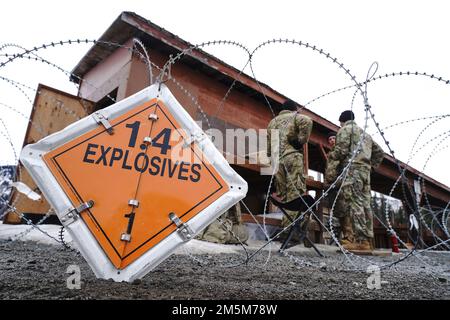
(296, 144)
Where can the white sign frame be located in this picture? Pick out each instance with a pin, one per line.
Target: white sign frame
(31, 158)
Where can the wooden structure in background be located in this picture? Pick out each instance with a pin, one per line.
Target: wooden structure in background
(109, 69)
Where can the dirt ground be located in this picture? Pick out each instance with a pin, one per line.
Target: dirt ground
(29, 270)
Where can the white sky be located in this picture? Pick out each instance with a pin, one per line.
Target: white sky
(399, 35)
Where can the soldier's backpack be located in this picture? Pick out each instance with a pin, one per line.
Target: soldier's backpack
(230, 230)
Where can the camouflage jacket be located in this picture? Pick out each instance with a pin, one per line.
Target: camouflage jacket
(329, 168)
(369, 154)
(294, 131)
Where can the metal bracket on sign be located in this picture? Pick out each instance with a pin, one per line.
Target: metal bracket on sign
(193, 138)
(133, 203)
(73, 214)
(147, 141)
(125, 237)
(183, 229)
(101, 119)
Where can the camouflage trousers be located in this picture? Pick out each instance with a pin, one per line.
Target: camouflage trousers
(290, 182)
(336, 221)
(353, 206)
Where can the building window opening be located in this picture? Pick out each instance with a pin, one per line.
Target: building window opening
(106, 101)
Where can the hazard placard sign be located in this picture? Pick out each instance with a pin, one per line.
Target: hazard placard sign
(133, 181)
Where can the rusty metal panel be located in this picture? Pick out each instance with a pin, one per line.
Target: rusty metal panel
(52, 111)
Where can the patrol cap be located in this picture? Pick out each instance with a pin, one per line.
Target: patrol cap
(290, 105)
(346, 116)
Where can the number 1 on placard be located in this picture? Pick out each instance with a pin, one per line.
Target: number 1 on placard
(134, 132)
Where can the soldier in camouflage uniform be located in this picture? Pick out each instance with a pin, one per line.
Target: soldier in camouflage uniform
(293, 132)
(353, 203)
(331, 139)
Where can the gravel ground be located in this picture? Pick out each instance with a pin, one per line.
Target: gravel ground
(29, 270)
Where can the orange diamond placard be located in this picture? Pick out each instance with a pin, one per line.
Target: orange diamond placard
(136, 176)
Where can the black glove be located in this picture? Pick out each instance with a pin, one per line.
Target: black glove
(296, 144)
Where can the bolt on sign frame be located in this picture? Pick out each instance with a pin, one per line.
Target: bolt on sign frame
(133, 181)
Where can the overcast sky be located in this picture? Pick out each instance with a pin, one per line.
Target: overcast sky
(399, 35)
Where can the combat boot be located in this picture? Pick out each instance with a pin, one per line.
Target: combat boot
(347, 229)
(364, 245)
(349, 245)
(345, 242)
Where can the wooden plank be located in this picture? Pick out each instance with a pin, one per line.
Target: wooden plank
(378, 253)
(248, 218)
(305, 158)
